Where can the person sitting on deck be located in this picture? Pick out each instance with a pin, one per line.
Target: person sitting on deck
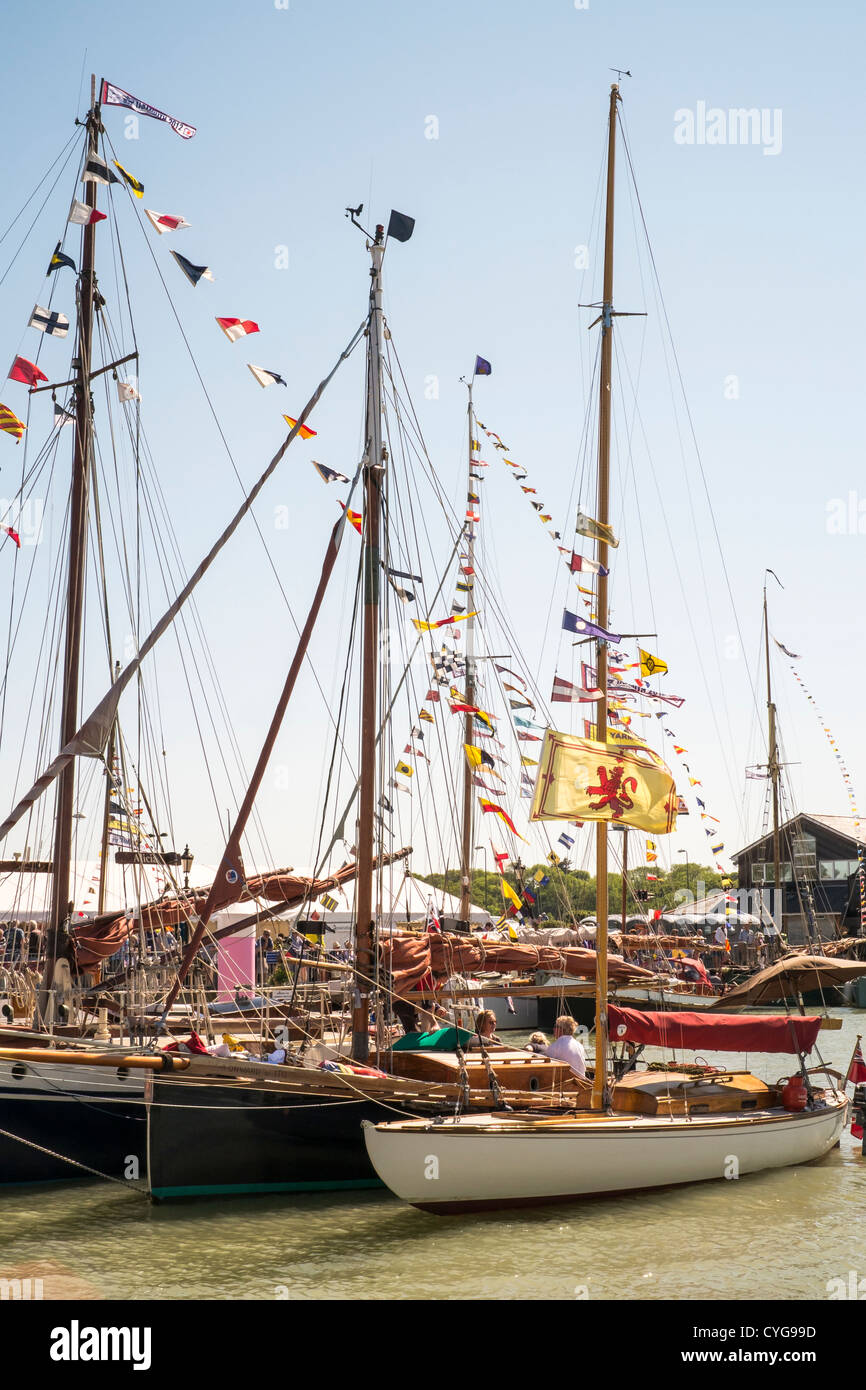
(565, 1047)
(485, 1029)
(538, 1043)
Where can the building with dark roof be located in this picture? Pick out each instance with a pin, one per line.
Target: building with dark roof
(820, 862)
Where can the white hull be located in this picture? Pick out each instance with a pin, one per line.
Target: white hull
(642, 996)
(496, 1161)
(653, 997)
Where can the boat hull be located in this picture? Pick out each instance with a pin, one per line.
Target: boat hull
(213, 1140)
(460, 1166)
(60, 1122)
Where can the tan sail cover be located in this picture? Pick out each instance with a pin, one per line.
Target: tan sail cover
(100, 938)
(790, 976)
(582, 780)
(281, 886)
(438, 955)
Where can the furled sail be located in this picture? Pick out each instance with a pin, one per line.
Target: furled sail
(409, 958)
(100, 937)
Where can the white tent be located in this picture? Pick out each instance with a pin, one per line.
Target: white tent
(404, 899)
(26, 897)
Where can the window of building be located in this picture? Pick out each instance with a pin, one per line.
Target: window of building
(804, 855)
(763, 872)
(837, 869)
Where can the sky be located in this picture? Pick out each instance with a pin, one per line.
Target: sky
(486, 123)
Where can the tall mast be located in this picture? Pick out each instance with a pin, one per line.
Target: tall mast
(772, 763)
(373, 471)
(110, 792)
(65, 802)
(624, 903)
(468, 730)
(599, 1085)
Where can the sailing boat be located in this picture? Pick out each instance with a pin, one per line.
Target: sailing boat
(195, 1122)
(231, 1126)
(218, 1124)
(646, 1130)
(46, 1088)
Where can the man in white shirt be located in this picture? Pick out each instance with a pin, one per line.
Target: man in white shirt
(565, 1047)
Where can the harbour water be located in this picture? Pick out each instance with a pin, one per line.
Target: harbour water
(777, 1235)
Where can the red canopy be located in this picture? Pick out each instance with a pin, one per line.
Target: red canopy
(715, 1032)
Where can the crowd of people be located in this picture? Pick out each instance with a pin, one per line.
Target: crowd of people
(20, 944)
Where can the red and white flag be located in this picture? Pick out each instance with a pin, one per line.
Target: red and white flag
(857, 1077)
(567, 693)
(433, 923)
(857, 1070)
(579, 564)
(237, 328)
(165, 221)
(83, 216)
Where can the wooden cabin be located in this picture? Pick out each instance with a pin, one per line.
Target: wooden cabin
(819, 855)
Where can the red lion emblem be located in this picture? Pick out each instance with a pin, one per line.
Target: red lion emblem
(613, 790)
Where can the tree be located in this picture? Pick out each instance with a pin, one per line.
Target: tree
(569, 894)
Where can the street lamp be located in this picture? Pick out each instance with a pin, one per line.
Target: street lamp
(688, 880)
(483, 849)
(186, 859)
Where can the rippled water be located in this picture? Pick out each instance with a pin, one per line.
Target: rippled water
(779, 1235)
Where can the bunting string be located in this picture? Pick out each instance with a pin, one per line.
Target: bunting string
(847, 782)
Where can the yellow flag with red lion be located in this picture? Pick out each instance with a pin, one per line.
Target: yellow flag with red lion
(582, 780)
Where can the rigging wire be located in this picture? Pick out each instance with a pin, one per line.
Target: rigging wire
(67, 152)
(689, 417)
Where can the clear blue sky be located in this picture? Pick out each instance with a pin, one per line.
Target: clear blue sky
(304, 110)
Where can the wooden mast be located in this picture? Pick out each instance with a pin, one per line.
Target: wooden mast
(772, 765)
(624, 873)
(468, 730)
(373, 471)
(110, 791)
(65, 802)
(599, 1085)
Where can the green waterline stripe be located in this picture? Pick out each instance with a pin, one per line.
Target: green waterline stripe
(226, 1189)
